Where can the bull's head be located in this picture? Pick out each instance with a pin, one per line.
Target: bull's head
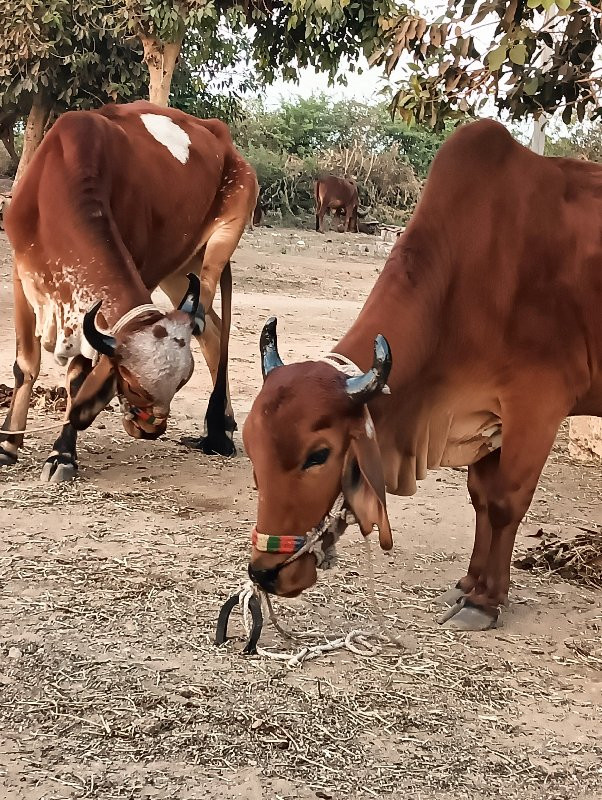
(145, 363)
(310, 437)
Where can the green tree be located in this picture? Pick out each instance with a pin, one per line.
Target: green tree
(59, 54)
(304, 127)
(580, 143)
(285, 35)
(530, 56)
(212, 78)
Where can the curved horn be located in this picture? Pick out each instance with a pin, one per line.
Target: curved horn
(268, 347)
(191, 304)
(102, 342)
(363, 387)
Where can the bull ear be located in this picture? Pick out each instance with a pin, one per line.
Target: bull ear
(363, 483)
(96, 392)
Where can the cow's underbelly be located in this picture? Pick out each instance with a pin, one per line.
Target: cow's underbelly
(59, 323)
(470, 438)
(442, 438)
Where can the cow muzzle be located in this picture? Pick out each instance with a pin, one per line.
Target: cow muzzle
(285, 579)
(142, 424)
(305, 554)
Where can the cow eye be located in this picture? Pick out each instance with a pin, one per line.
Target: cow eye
(317, 458)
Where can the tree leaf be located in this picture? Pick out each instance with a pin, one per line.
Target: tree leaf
(496, 57)
(518, 54)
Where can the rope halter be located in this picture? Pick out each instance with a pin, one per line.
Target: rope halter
(312, 542)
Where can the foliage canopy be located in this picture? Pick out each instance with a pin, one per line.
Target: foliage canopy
(530, 56)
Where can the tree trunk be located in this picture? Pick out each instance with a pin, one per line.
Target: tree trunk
(160, 58)
(34, 132)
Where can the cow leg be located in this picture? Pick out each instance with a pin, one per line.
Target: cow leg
(320, 218)
(353, 227)
(504, 492)
(219, 419)
(26, 370)
(8, 140)
(61, 465)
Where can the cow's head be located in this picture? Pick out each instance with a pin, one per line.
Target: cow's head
(144, 363)
(310, 438)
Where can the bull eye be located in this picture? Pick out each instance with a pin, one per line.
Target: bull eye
(317, 458)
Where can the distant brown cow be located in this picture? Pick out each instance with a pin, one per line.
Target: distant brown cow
(257, 216)
(8, 117)
(336, 194)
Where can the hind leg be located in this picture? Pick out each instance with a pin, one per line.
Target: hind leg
(501, 493)
(26, 370)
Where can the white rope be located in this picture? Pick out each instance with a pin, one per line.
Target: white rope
(361, 642)
(134, 313)
(343, 364)
(347, 367)
(51, 426)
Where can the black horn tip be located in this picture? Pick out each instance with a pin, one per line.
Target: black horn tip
(103, 343)
(190, 301)
(268, 346)
(364, 387)
(194, 281)
(382, 355)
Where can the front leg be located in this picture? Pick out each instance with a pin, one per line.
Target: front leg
(61, 465)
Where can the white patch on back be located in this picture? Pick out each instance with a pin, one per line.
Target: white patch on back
(167, 133)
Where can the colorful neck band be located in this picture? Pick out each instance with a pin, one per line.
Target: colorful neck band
(276, 544)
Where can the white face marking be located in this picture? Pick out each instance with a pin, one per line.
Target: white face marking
(167, 133)
(369, 428)
(160, 364)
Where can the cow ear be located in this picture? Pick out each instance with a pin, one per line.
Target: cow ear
(96, 392)
(363, 483)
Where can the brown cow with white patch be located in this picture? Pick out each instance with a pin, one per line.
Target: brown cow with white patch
(491, 302)
(115, 203)
(338, 195)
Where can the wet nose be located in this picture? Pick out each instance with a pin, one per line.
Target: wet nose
(265, 578)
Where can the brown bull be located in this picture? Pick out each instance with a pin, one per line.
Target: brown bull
(115, 203)
(491, 304)
(337, 195)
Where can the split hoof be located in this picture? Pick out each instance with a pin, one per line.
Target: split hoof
(450, 597)
(212, 445)
(465, 616)
(7, 459)
(57, 469)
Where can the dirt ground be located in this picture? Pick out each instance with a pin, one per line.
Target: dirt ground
(110, 589)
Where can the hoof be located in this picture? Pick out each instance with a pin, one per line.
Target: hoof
(7, 459)
(212, 445)
(465, 616)
(58, 469)
(450, 597)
